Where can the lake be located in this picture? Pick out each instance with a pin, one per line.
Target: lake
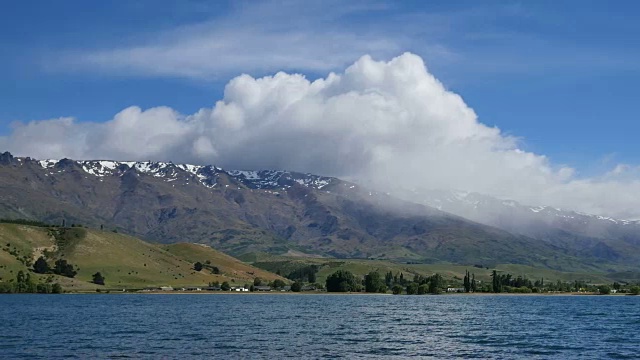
(318, 326)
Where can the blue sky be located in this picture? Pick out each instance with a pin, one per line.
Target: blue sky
(559, 75)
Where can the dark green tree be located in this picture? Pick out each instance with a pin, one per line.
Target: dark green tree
(197, 266)
(412, 289)
(296, 286)
(397, 289)
(278, 284)
(474, 285)
(604, 290)
(257, 282)
(423, 289)
(225, 286)
(436, 282)
(388, 278)
(56, 289)
(496, 282)
(98, 278)
(373, 283)
(342, 281)
(467, 281)
(616, 285)
(63, 268)
(41, 266)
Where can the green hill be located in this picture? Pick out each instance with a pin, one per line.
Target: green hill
(453, 273)
(125, 262)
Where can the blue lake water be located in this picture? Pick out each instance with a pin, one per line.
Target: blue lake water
(318, 326)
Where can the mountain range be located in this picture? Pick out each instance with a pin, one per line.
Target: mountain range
(282, 212)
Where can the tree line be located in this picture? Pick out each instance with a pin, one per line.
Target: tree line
(374, 282)
(24, 283)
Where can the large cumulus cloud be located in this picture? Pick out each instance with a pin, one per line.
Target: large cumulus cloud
(390, 123)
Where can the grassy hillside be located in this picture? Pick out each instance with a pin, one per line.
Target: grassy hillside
(125, 261)
(452, 272)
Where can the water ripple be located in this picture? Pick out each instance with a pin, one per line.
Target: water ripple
(317, 326)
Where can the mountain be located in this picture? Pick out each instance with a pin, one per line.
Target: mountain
(125, 261)
(576, 233)
(272, 211)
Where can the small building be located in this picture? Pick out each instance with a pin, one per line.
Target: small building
(193, 288)
(239, 288)
(166, 288)
(262, 288)
(213, 288)
(455, 290)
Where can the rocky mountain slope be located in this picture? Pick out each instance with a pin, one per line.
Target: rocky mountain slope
(273, 211)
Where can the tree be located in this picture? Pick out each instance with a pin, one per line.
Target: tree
(373, 283)
(467, 282)
(257, 281)
(63, 268)
(604, 290)
(225, 286)
(311, 277)
(435, 284)
(41, 266)
(278, 284)
(496, 282)
(635, 290)
(98, 278)
(56, 289)
(43, 288)
(423, 289)
(397, 289)
(474, 285)
(616, 285)
(342, 281)
(388, 278)
(412, 289)
(197, 266)
(296, 286)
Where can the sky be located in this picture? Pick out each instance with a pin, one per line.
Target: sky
(532, 101)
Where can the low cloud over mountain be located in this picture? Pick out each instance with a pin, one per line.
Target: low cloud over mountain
(391, 123)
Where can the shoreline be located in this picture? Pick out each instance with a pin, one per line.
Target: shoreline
(280, 293)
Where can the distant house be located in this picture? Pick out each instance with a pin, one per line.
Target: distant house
(239, 288)
(455, 290)
(286, 288)
(166, 288)
(262, 288)
(213, 288)
(308, 288)
(193, 288)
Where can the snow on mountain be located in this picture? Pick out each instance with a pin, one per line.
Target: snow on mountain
(206, 175)
(507, 214)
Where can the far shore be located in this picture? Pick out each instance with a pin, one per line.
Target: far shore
(116, 292)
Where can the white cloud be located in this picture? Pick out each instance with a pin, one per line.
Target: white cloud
(390, 122)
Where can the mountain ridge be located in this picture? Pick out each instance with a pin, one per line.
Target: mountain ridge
(274, 211)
